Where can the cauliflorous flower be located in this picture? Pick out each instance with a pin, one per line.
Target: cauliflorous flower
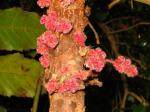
(52, 14)
(64, 26)
(80, 38)
(52, 86)
(44, 60)
(71, 85)
(42, 48)
(81, 75)
(50, 20)
(124, 65)
(49, 39)
(67, 2)
(43, 19)
(95, 59)
(44, 3)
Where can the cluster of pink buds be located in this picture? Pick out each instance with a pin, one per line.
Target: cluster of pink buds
(66, 2)
(80, 38)
(96, 59)
(44, 3)
(123, 65)
(71, 85)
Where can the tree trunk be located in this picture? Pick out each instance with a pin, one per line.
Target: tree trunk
(66, 51)
(67, 102)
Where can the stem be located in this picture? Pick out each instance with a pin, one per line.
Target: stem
(129, 28)
(95, 33)
(36, 97)
(141, 99)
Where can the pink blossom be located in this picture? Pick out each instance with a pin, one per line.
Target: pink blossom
(50, 20)
(52, 14)
(44, 3)
(67, 2)
(80, 38)
(124, 65)
(52, 86)
(44, 60)
(50, 24)
(81, 75)
(64, 69)
(50, 39)
(41, 47)
(96, 59)
(43, 19)
(131, 71)
(71, 85)
(64, 26)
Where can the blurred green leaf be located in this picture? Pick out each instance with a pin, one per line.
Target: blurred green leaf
(19, 29)
(139, 108)
(144, 1)
(2, 109)
(18, 75)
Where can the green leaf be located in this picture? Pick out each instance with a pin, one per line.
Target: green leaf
(19, 29)
(139, 108)
(2, 109)
(18, 75)
(144, 1)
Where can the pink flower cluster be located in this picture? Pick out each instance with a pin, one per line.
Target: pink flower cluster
(51, 23)
(80, 38)
(124, 65)
(64, 70)
(48, 40)
(96, 59)
(66, 2)
(81, 75)
(71, 85)
(63, 26)
(44, 60)
(52, 86)
(44, 42)
(44, 3)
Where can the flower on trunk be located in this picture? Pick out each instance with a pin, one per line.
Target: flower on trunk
(44, 60)
(44, 3)
(80, 38)
(49, 39)
(52, 86)
(67, 2)
(81, 75)
(71, 85)
(49, 20)
(64, 26)
(42, 48)
(123, 65)
(95, 59)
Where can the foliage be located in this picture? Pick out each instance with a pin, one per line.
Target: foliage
(18, 75)
(18, 29)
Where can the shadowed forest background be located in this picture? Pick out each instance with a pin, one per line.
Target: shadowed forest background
(123, 28)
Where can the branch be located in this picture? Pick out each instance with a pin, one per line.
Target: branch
(129, 28)
(141, 99)
(95, 33)
(110, 37)
(117, 19)
(37, 95)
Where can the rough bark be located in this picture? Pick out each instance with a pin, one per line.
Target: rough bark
(67, 102)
